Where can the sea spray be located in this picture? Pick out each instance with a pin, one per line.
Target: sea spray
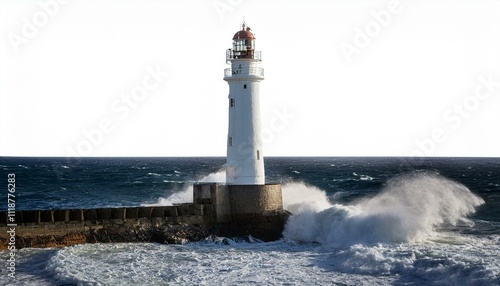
(217, 177)
(186, 194)
(299, 198)
(409, 208)
(456, 256)
(423, 201)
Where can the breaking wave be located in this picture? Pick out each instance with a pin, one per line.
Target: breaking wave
(186, 194)
(409, 208)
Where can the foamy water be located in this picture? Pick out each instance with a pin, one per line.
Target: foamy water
(409, 208)
(186, 194)
(402, 235)
(451, 260)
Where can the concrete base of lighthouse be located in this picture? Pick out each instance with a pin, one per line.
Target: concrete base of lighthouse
(255, 210)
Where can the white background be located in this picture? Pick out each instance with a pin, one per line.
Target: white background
(387, 99)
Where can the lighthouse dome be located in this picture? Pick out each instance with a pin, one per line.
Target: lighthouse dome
(244, 34)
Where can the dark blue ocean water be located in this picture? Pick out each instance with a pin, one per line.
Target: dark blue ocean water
(59, 183)
(357, 221)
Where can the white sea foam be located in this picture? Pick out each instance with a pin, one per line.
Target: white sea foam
(372, 238)
(465, 260)
(391, 238)
(217, 177)
(409, 208)
(300, 198)
(186, 194)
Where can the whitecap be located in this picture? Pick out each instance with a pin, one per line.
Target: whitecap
(186, 194)
(409, 208)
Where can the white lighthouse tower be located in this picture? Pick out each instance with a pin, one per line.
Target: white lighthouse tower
(244, 200)
(245, 163)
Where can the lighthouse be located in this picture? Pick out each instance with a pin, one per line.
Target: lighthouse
(244, 200)
(244, 161)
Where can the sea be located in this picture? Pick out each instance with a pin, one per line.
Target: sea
(356, 221)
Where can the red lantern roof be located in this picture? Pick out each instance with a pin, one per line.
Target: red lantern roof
(245, 33)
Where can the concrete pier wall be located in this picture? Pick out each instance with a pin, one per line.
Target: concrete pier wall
(55, 228)
(174, 213)
(222, 210)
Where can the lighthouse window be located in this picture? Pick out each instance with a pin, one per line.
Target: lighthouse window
(239, 45)
(230, 141)
(231, 102)
(245, 86)
(258, 155)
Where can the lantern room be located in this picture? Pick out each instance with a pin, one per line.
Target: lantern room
(243, 44)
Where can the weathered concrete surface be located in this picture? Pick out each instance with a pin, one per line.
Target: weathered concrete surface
(255, 199)
(221, 210)
(229, 201)
(172, 230)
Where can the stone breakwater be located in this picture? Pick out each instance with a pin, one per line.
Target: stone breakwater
(217, 209)
(173, 224)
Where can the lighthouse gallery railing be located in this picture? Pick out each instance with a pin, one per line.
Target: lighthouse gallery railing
(251, 54)
(237, 72)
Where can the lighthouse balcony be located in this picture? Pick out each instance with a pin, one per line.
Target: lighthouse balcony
(245, 54)
(250, 72)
